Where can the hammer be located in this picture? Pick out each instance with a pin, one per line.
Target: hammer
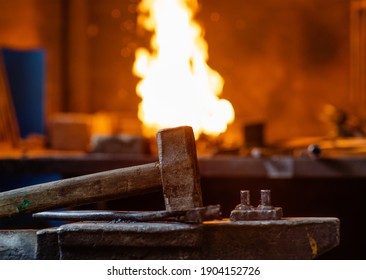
(176, 171)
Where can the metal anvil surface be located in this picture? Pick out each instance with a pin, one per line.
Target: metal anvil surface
(289, 238)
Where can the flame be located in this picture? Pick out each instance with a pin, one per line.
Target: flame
(177, 86)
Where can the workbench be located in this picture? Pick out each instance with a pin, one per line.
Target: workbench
(73, 164)
(303, 187)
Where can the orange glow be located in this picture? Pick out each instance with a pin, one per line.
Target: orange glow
(177, 86)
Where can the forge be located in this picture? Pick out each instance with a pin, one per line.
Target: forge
(274, 92)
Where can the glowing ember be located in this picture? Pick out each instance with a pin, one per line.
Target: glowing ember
(177, 87)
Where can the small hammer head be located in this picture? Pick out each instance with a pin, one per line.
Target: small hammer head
(179, 168)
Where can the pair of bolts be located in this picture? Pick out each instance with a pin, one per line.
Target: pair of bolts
(265, 203)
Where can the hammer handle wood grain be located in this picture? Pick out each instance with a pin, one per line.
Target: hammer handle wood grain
(80, 190)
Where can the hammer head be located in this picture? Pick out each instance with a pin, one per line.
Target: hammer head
(179, 168)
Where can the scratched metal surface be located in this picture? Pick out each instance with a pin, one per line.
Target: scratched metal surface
(289, 238)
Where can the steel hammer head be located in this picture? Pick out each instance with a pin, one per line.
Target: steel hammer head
(179, 168)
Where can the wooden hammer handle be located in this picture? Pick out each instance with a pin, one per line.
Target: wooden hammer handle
(80, 190)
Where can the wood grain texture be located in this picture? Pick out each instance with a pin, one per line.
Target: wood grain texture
(80, 190)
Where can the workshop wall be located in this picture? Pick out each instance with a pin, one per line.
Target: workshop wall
(37, 24)
(282, 61)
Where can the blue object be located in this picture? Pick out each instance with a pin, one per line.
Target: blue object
(25, 70)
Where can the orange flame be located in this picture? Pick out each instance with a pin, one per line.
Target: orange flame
(177, 87)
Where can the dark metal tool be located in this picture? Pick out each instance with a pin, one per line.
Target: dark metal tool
(176, 171)
(194, 215)
(264, 211)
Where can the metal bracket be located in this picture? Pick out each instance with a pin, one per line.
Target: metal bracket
(264, 211)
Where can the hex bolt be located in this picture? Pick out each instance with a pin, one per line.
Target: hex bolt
(265, 199)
